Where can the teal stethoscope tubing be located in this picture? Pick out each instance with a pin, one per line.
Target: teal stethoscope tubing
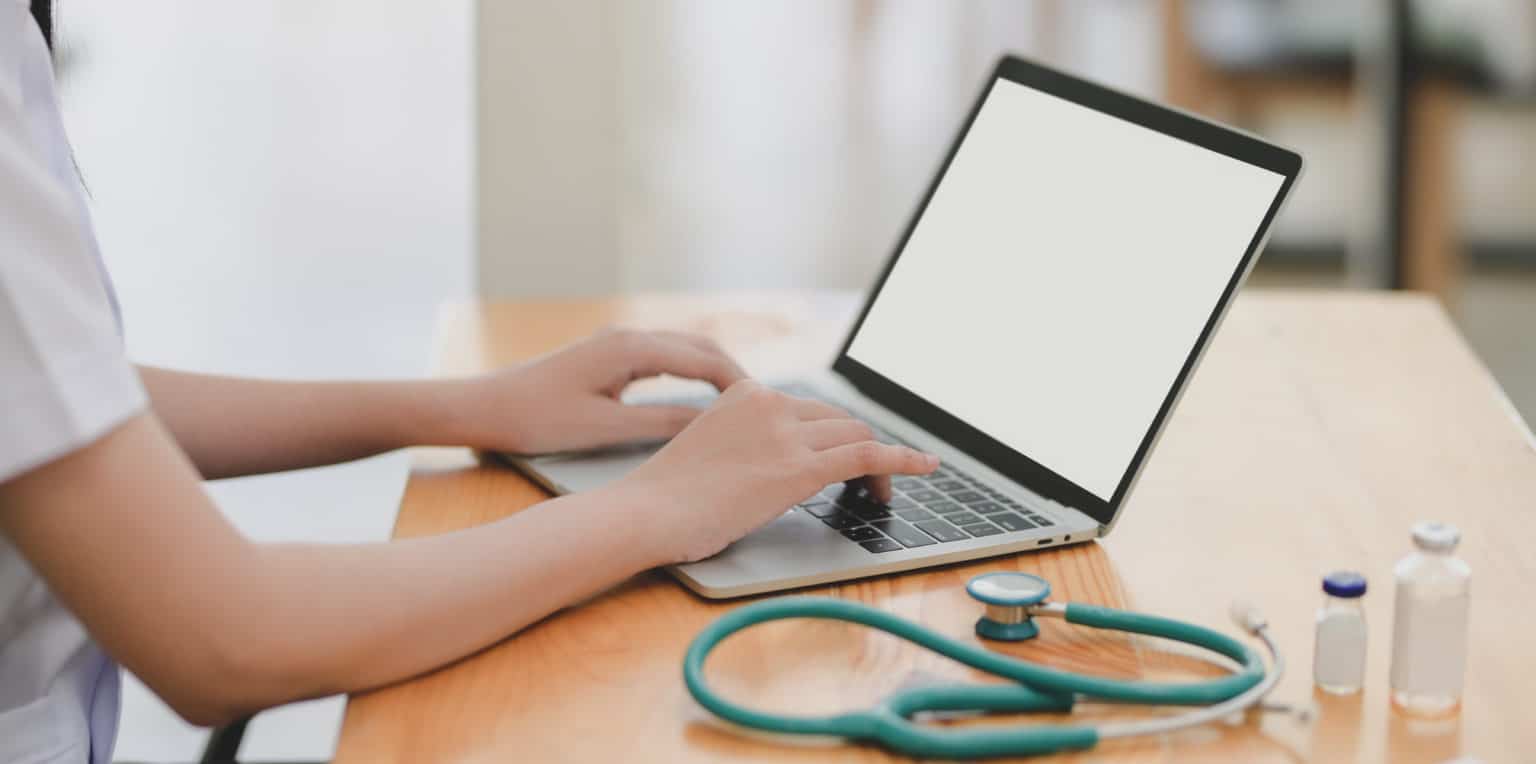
(1039, 688)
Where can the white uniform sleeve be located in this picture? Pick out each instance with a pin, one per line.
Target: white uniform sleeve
(64, 378)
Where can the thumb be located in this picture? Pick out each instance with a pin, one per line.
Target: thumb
(642, 422)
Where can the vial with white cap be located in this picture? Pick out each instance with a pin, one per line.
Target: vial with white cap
(1429, 630)
(1338, 657)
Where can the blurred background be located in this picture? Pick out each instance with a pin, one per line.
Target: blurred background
(290, 188)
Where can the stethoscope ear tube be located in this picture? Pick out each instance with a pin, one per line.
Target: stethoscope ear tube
(1249, 671)
(1038, 688)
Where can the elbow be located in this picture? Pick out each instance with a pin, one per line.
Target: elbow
(203, 698)
(237, 659)
(224, 685)
(204, 712)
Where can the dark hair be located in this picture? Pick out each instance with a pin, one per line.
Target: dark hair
(42, 13)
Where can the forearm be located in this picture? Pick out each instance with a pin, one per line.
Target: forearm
(231, 426)
(567, 400)
(219, 626)
(323, 620)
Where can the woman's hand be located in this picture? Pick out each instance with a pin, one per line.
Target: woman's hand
(747, 459)
(569, 400)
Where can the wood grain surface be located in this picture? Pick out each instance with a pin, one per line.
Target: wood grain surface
(1320, 426)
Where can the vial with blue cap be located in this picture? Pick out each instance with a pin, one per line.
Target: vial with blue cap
(1338, 658)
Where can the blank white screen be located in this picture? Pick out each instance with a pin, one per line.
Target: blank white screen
(1060, 277)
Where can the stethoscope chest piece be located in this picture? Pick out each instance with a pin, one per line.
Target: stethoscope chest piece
(1008, 597)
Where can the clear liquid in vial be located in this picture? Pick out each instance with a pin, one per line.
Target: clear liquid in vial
(1429, 634)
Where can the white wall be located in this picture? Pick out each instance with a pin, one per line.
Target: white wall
(673, 144)
(547, 153)
(280, 189)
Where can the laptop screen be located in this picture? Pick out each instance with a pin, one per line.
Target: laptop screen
(1060, 277)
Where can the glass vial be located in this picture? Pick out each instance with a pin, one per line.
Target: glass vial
(1429, 630)
(1338, 657)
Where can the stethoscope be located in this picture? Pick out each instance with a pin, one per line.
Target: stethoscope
(1012, 602)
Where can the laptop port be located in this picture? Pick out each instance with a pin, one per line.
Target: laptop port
(1043, 542)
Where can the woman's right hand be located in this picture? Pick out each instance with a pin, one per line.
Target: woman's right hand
(752, 455)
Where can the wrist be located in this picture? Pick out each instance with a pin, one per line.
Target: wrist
(489, 413)
(645, 509)
(450, 414)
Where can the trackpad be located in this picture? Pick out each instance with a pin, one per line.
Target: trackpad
(575, 472)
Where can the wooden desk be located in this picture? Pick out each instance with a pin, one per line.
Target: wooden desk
(1319, 428)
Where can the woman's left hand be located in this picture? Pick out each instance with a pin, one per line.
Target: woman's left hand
(569, 400)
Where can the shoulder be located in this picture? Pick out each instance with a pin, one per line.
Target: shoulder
(66, 378)
(22, 52)
(15, 23)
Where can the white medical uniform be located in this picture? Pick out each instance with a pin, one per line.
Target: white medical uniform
(64, 382)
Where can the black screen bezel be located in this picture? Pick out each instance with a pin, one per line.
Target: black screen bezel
(972, 441)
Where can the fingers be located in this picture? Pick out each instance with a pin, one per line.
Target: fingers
(809, 410)
(870, 457)
(699, 341)
(823, 434)
(879, 486)
(846, 450)
(655, 353)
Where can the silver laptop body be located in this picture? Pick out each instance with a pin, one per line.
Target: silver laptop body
(988, 499)
(799, 549)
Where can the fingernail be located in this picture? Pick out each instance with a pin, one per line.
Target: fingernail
(933, 461)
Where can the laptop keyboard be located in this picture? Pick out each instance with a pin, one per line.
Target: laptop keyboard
(946, 506)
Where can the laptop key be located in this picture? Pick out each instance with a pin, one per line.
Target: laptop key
(908, 484)
(915, 514)
(944, 507)
(841, 520)
(988, 507)
(820, 508)
(906, 534)
(964, 518)
(870, 512)
(941, 530)
(853, 501)
(1010, 521)
(968, 497)
(862, 533)
(981, 529)
(1041, 521)
(948, 485)
(881, 545)
(901, 502)
(924, 496)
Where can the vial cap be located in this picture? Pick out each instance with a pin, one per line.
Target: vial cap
(1344, 583)
(1436, 537)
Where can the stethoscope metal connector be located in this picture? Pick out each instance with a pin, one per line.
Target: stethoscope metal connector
(1012, 600)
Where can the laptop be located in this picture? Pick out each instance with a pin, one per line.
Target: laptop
(1034, 327)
